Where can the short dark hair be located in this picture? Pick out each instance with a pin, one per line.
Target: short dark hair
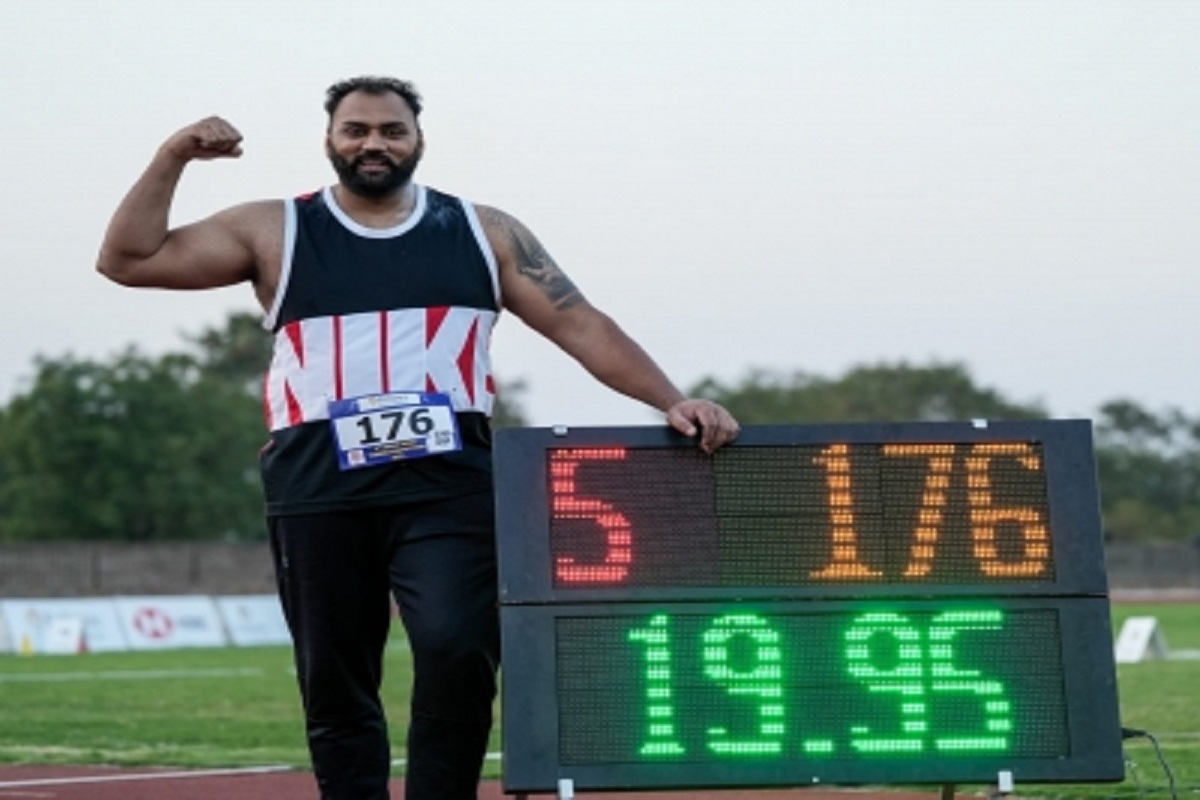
(372, 84)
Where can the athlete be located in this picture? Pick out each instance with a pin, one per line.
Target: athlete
(382, 294)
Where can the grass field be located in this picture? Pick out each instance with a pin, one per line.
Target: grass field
(1163, 699)
(191, 708)
(239, 707)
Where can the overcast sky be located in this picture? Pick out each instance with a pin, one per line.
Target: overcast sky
(781, 184)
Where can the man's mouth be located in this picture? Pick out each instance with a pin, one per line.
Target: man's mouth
(374, 165)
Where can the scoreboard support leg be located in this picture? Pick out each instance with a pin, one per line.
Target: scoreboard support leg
(566, 791)
(1004, 785)
(1003, 788)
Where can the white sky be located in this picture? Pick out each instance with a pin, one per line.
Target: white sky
(785, 184)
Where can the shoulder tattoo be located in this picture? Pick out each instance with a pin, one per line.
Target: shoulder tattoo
(531, 259)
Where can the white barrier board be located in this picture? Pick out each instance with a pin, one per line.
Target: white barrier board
(1140, 638)
(64, 637)
(162, 623)
(30, 622)
(254, 620)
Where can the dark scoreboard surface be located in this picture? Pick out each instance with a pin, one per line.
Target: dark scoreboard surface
(814, 604)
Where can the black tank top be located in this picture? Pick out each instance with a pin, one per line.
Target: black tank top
(361, 311)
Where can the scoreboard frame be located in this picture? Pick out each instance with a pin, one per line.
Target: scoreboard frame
(535, 602)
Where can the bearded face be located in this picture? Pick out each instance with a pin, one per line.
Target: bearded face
(375, 174)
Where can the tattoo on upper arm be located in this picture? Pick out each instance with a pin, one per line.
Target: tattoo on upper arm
(534, 263)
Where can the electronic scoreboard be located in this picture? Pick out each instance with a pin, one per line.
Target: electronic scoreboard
(816, 604)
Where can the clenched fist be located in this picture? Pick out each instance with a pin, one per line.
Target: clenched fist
(207, 139)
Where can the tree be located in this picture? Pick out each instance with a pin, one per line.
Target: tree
(509, 410)
(238, 353)
(874, 393)
(1149, 466)
(139, 449)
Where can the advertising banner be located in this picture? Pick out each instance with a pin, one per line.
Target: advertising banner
(254, 620)
(33, 624)
(161, 623)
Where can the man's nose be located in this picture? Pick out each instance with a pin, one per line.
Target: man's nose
(374, 140)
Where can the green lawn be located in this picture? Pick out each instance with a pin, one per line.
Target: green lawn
(1163, 699)
(239, 707)
(179, 707)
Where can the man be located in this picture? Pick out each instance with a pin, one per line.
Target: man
(382, 294)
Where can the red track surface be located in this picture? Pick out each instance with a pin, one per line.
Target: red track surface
(106, 783)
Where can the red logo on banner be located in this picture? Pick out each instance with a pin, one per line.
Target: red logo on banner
(153, 623)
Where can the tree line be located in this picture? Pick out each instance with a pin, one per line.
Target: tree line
(155, 448)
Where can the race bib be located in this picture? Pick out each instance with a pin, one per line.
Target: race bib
(382, 428)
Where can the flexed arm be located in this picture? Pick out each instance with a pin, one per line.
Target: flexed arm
(540, 293)
(139, 248)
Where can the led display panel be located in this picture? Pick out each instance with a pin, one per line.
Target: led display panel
(814, 604)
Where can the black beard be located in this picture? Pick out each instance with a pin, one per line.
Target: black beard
(374, 185)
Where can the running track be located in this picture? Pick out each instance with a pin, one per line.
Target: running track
(107, 783)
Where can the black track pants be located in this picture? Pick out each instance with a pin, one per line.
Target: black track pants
(334, 573)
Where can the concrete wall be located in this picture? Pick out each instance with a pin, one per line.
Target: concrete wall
(1161, 566)
(83, 569)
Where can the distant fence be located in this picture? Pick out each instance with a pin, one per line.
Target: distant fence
(91, 569)
(1158, 566)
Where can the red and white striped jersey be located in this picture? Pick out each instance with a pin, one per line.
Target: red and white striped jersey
(360, 310)
(442, 349)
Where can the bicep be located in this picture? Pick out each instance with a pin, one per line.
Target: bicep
(205, 254)
(216, 251)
